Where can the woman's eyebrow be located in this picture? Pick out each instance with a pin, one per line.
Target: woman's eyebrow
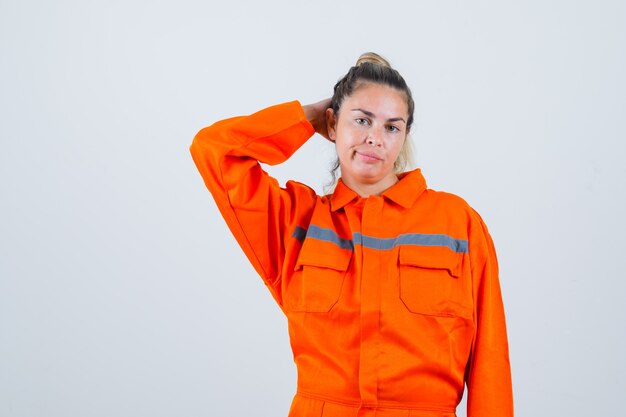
(365, 112)
(372, 115)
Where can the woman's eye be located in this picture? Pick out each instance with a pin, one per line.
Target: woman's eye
(361, 121)
(392, 128)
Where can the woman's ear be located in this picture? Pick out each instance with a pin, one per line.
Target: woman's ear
(331, 124)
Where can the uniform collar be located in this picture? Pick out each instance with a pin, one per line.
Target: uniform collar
(404, 192)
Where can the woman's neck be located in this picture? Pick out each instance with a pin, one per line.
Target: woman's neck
(366, 190)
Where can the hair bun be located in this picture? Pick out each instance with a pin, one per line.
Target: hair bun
(372, 58)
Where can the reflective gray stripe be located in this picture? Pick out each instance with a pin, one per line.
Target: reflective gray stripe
(416, 239)
(299, 233)
(328, 235)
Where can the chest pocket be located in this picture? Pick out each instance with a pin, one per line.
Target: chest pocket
(431, 282)
(316, 283)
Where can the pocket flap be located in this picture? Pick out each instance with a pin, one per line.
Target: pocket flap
(324, 255)
(431, 257)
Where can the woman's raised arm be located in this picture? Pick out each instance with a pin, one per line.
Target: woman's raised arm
(261, 215)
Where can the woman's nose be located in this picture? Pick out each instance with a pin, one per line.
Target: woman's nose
(374, 137)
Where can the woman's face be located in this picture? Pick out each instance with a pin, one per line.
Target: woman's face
(369, 133)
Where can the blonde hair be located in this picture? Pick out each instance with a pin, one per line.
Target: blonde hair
(372, 58)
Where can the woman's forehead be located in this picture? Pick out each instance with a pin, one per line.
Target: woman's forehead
(377, 100)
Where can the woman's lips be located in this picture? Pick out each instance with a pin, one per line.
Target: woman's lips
(368, 156)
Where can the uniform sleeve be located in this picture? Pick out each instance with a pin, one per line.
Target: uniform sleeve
(489, 384)
(259, 213)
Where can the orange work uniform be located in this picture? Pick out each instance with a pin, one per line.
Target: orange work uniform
(393, 301)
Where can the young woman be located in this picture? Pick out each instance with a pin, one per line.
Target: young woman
(390, 289)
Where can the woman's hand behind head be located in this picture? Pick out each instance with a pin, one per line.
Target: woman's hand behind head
(316, 115)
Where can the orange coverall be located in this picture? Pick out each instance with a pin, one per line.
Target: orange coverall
(393, 301)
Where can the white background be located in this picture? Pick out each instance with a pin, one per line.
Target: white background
(122, 293)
